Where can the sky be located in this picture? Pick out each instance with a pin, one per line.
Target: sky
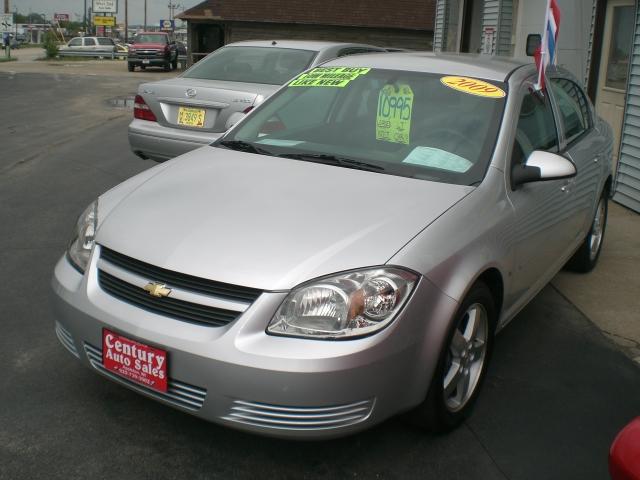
(156, 9)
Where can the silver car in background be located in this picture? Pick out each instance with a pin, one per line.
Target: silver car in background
(175, 116)
(89, 47)
(347, 251)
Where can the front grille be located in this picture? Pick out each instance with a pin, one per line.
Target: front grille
(66, 339)
(166, 306)
(178, 393)
(180, 280)
(283, 417)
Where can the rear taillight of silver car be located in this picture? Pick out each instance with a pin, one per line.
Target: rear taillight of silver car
(142, 111)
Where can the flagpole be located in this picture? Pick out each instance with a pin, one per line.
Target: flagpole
(543, 45)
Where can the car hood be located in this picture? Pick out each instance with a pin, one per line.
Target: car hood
(267, 222)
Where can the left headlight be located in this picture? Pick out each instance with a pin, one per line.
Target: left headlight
(344, 306)
(84, 236)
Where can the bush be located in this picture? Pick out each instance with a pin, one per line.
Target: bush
(51, 44)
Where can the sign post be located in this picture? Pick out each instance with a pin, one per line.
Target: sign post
(6, 27)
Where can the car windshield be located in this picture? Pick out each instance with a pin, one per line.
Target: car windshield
(427, 126)
(150, 38)
(267, 65)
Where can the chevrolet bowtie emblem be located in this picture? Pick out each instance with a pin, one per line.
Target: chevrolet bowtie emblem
(156, 289)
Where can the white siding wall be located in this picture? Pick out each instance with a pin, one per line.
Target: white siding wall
(438, 29)
(627, 190)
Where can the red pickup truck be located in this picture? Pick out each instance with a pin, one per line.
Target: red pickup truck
(152, 49)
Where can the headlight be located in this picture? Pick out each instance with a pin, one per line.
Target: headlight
(84, 236)
(344, 306)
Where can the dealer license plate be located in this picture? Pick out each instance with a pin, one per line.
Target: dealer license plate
(191, 117)
(134, 361)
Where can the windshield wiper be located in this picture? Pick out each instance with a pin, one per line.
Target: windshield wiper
(243, 146)
(334, 160)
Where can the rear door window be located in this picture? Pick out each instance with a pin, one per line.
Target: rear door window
(573, 108)
(75, 42)
(89, 42)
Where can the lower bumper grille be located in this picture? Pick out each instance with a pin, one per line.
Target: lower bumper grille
(299, 418)
(66, 339)
(178, 394)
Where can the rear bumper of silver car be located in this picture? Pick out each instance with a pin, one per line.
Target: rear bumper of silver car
(150, 140)
(239, 376)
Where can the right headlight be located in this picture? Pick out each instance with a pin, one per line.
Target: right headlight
(344, 306)
(83, 239)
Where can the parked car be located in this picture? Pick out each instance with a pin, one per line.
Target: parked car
(174, 116)
(152, 49)
(89, 46)
(347, 251)
(624, 455)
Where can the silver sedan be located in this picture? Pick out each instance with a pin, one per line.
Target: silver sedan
(175, 116)
(345, 253)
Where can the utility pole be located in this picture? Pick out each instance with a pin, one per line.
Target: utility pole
(145, 15)
(126, 21)
(84, 16)
(6, 6)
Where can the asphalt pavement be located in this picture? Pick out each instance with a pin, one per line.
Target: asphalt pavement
(556, 394)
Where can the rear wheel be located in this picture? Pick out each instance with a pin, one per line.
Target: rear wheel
(131, 67)
(462, 364)
(586, 257)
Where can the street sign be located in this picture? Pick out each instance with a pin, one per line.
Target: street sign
(61, 17)
(6, 23)
(167, 24)
(105, 6)
(104, 21)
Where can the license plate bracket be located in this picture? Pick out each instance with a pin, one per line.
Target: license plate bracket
(191, 117)
(134, 361)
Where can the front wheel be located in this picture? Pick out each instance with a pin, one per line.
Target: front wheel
(462, 364)
(167, 66)
(174, 64)
(131, 67)
(586, 257)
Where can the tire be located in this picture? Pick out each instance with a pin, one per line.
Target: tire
(174, 64)
(466, 354)
(167, 66)
(131, 67)
(587, 255)
(143, 67)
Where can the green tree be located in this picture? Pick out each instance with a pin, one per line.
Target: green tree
(51, 44)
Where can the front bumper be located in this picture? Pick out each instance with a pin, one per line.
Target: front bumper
(157, 142)
(239, 376)
(149, 61)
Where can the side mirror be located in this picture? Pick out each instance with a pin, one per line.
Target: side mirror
(234, 118)
(541, 166)
(533, 42)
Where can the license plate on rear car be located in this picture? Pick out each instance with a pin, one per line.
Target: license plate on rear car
(134, 361)
(191, 117)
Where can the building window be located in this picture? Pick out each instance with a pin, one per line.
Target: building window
(620, 49)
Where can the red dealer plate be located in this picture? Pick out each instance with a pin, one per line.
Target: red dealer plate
(134, 361)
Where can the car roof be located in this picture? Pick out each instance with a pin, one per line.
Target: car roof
(315, 45)
(479, 66)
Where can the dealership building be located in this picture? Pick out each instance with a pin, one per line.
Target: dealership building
(599, 42)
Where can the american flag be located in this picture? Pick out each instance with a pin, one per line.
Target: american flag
(546, 54)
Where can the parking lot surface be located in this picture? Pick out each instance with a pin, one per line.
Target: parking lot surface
(556, 394)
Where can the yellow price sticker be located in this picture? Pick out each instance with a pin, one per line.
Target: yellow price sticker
(473, 86)
(329, 77)
(393, 119)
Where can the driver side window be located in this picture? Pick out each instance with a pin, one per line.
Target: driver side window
(536, 128)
